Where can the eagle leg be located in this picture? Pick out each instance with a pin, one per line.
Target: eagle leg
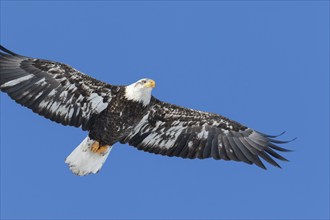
(97, 148)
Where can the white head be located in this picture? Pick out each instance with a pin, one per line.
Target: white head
(140, 91)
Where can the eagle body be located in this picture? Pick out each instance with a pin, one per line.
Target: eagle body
(127, 114)
(118, 119)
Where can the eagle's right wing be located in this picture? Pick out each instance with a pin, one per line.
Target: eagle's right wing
(53, 90)
(171, 130)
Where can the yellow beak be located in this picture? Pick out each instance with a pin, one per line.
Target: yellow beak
(150, 84)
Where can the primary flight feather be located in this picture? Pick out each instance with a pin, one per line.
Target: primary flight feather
(126, 114)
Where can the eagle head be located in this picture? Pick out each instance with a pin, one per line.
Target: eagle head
(140, 91)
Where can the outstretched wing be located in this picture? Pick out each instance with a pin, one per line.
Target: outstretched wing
(53, 90)
(175, 131)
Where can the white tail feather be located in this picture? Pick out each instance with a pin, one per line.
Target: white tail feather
(82, 161)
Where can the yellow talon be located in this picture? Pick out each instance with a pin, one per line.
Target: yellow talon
(96, 148)
(103, 149)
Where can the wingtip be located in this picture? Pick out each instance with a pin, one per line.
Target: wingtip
(262, 166)
(273, 136)
(294, 139)
(286, 160)
(2, 48)
(281, 142)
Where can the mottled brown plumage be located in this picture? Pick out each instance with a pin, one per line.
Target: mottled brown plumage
(127, 114)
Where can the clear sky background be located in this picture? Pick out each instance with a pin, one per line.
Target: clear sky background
(264, 64)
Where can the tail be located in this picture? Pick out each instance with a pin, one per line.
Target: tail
(83, 161)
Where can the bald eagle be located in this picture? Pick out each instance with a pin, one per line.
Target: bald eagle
(126, 114)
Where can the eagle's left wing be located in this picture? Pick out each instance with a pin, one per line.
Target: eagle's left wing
(52, 89)
(171, 130)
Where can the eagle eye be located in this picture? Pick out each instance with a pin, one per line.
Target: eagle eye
(144, 81)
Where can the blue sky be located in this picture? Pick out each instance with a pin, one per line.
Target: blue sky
(264, 64)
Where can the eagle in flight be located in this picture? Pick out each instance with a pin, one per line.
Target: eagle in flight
(127, 114)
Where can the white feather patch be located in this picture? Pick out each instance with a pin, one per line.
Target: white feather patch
(17, 81)
(82, 161)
